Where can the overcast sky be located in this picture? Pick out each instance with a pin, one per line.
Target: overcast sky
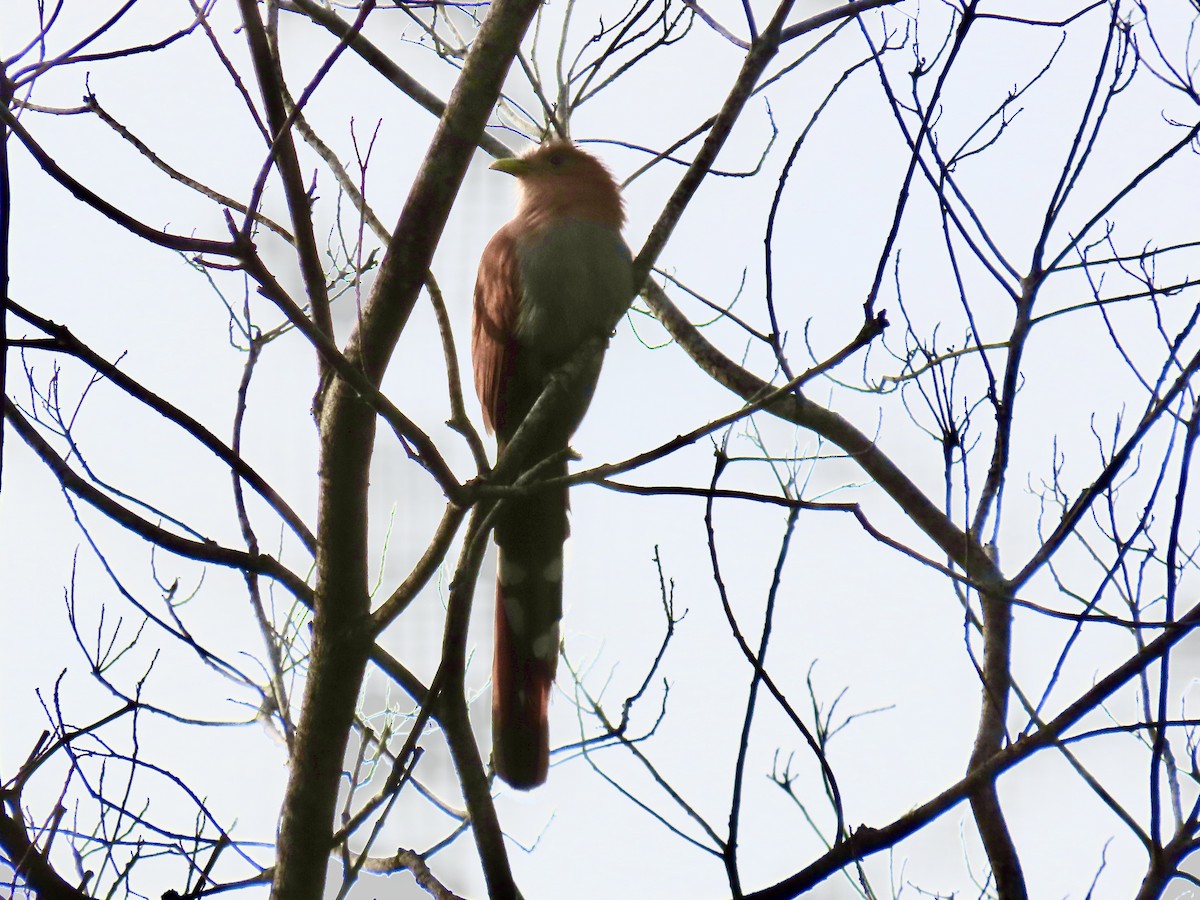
(851, 612)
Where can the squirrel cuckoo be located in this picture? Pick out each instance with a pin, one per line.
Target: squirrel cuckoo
(555, 276)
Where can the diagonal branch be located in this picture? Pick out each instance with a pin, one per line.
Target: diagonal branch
(90, 198)
(32, 864)
(203, 551)
(270, 80)
(866, 841)
(61, 339)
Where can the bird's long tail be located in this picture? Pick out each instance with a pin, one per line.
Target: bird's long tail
(530, 532)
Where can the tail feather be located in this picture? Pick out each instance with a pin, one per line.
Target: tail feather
(531, 532)
(521, 682)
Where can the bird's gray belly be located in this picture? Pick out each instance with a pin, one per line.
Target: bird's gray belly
(577, 282)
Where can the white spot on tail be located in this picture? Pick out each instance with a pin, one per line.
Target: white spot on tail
(545, 645)
(510, 573)
(514, 614)
(553, 570)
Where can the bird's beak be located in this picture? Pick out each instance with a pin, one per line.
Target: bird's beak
(513, 165)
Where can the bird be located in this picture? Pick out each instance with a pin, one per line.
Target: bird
(553, 279)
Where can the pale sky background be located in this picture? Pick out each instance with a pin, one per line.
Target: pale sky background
(886, 629)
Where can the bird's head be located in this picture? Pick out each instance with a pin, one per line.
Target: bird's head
(558, 179)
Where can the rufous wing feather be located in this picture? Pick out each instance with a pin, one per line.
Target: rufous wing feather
(493, 341)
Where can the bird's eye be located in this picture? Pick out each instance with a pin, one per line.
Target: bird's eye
(557, 159)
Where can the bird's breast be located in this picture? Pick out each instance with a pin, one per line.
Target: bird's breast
(576, 279)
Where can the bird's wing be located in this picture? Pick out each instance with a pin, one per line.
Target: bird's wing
(493, 343)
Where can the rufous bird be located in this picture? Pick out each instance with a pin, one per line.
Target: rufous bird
(551, 280)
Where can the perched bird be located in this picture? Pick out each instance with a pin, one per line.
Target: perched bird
(551, 279)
